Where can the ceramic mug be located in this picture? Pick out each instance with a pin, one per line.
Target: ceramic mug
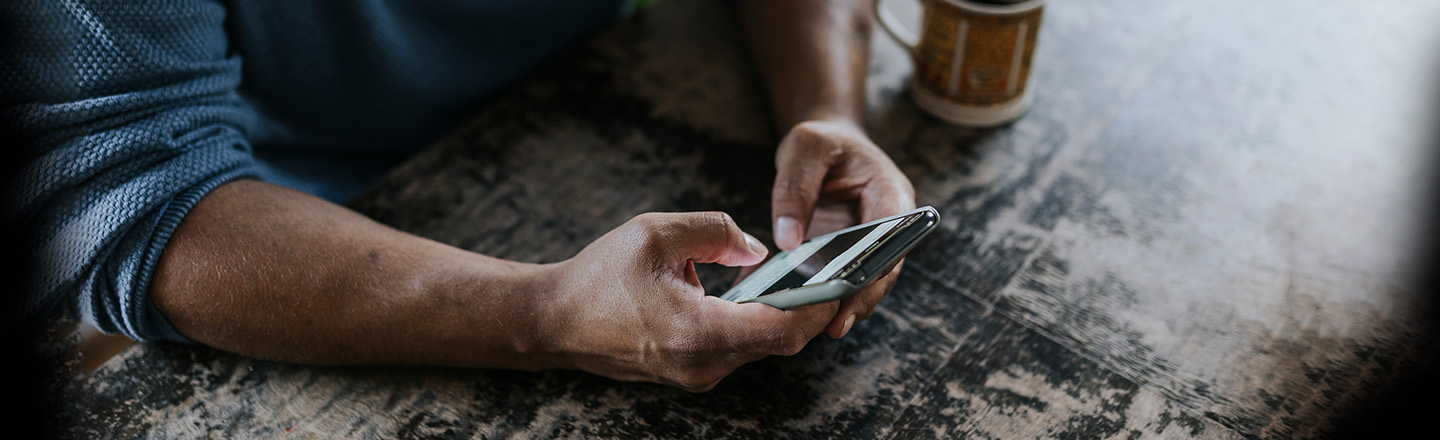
(972, 58)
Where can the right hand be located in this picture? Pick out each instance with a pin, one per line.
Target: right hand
(630, 306)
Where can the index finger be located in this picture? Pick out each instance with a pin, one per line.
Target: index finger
(702, 237)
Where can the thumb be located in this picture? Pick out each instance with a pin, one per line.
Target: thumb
(704, 237)
(798, 179)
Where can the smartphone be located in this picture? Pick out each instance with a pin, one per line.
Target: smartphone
(834, 265)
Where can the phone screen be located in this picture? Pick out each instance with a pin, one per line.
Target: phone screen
(821, 259)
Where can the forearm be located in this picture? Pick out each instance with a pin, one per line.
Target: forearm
(813, 56)
(268, 272)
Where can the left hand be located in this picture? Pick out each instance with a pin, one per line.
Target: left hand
(830, 176)
(630, 306)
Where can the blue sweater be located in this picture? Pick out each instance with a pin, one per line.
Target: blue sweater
(137, 110)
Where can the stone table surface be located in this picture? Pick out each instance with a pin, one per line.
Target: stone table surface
(1205, 227)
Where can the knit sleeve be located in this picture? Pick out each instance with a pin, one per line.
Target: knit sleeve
(130, 115)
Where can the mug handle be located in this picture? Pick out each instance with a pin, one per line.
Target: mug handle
(892, 26)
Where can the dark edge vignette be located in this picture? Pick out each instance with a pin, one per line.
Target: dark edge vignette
(1406, 404)
(32, 391)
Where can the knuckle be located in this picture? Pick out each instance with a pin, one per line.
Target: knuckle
(645, 218)
(721, 223)
(649, 228)
(722, 220)
(727, 226)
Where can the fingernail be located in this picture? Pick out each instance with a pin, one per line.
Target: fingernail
(755, 246)
(787, 232)
(848, 322)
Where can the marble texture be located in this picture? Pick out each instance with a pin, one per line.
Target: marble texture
(1204, 228)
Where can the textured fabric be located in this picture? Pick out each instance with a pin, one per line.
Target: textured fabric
(134, 111)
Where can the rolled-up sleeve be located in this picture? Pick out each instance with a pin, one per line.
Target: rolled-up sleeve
(130, 115)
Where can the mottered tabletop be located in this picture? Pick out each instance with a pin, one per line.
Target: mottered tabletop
(1204, 227)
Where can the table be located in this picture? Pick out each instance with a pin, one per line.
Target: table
(1204, 228)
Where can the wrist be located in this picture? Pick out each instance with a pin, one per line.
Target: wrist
(839, 119)
(487, 313)
(538, 285)
(562, 336)
(825, 140)
(575, 325)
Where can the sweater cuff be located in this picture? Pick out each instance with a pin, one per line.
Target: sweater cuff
(154, 325)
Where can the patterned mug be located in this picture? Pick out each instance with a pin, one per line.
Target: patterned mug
(972, 58)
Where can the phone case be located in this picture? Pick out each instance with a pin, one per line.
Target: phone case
(807, 295)
(873, 267)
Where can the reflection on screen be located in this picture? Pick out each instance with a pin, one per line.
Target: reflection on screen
(816, 261)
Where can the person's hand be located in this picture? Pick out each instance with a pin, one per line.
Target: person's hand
(830, 176)
(630, 305)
